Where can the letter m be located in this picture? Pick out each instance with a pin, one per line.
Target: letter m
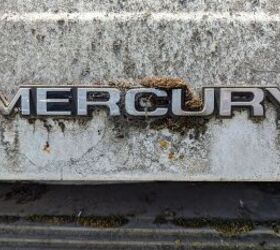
(22, 96)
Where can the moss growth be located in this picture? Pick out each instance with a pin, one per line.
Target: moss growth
(225, 227)
(232, 228)
(122, 85)
(104, 222)
(175, 124)
(55, 220)
(88, 221)
(163, 82)
(192, 102)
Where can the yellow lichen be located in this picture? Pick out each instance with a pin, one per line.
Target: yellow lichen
(163, 144)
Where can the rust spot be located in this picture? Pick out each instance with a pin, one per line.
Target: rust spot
(171, 155)
(46, 147)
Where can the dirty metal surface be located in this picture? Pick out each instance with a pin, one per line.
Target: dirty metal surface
(254, 201)
(205, 43)
(140, 216)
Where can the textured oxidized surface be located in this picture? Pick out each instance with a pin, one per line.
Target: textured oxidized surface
(205, 43)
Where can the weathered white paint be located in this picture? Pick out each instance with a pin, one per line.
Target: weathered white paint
(231, 149)
(84, 42)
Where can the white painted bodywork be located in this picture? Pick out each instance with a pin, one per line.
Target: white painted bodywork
(54, 43)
